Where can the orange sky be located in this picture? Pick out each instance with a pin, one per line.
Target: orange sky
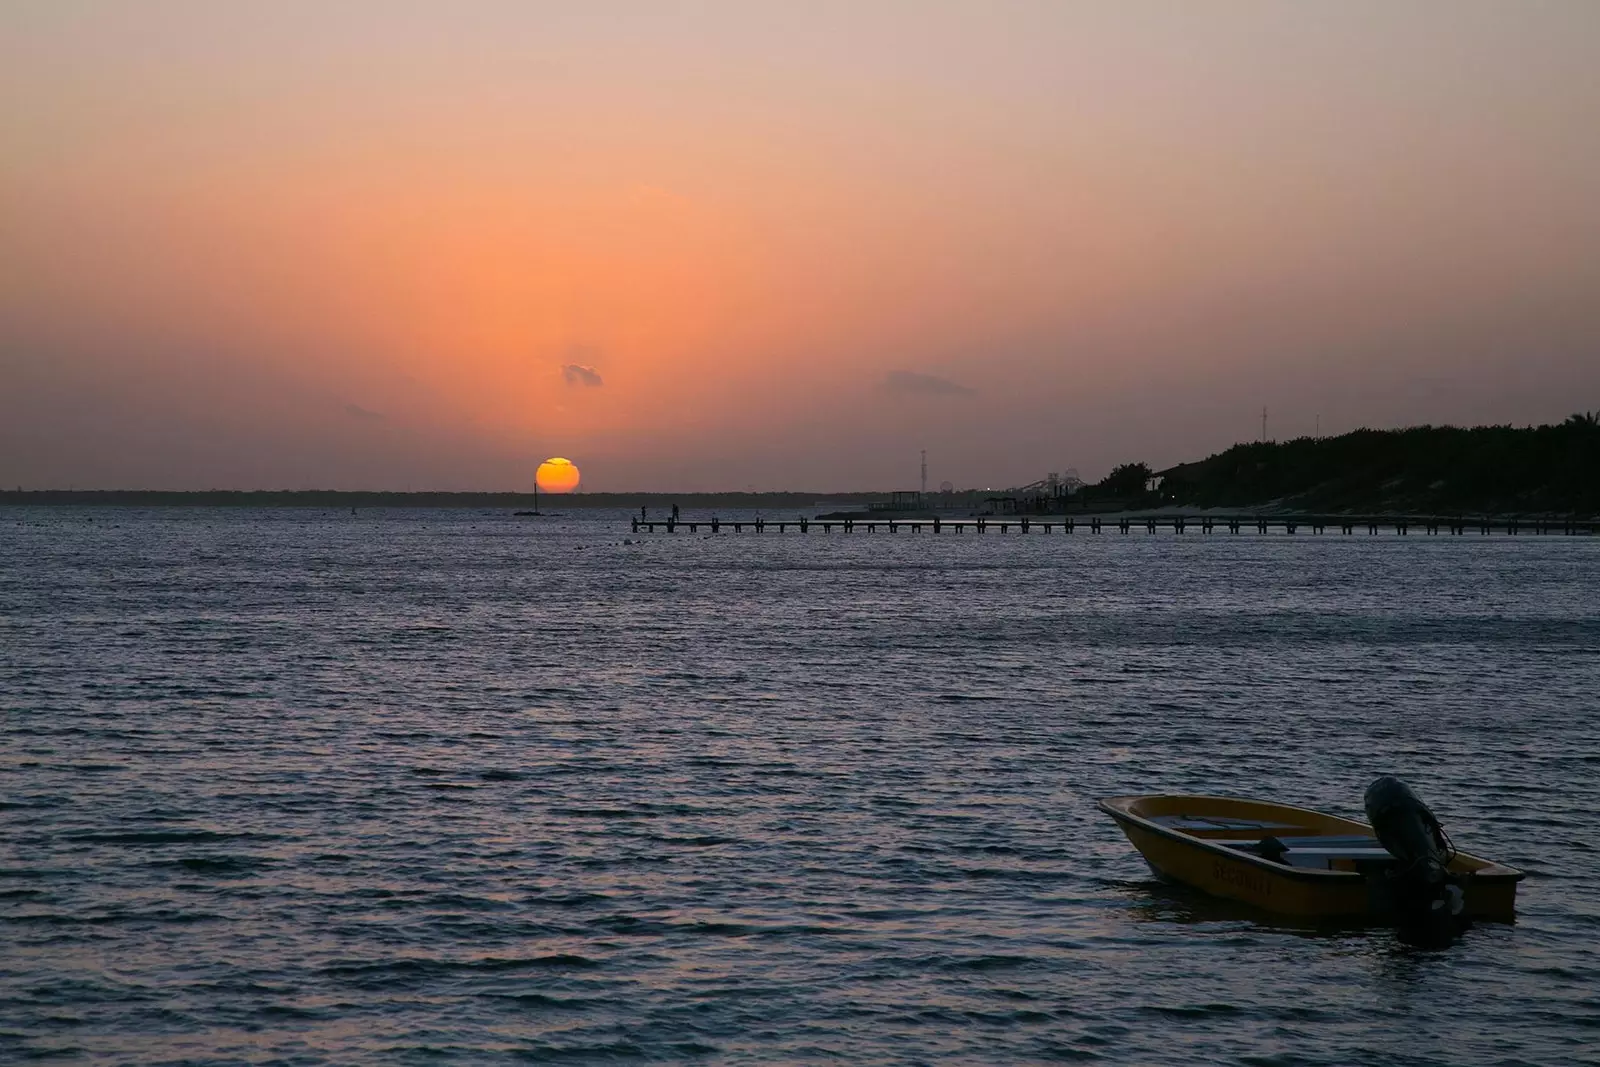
(703, 245)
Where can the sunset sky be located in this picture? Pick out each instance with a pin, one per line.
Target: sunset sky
(698, 246)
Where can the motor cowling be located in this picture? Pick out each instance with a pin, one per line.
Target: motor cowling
(1428, 900)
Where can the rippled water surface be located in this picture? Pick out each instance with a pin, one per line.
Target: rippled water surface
(305, 787)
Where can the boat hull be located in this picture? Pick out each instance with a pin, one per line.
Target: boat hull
(1490, 888)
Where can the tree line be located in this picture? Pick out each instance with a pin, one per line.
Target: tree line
(1551, 469)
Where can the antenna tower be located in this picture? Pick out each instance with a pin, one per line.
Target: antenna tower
(924, 472)
(1263, 424)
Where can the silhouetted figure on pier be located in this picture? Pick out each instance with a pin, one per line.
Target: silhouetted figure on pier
(674, 513)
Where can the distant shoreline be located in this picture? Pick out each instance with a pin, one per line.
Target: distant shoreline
(660, 503)
(1445, 471)
(339, 498)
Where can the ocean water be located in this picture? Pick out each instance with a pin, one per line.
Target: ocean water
(303, 787)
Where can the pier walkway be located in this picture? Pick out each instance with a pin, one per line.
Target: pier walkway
(1288, 524)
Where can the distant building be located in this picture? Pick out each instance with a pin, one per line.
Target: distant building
(899, 500)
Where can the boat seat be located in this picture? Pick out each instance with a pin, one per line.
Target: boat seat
(1330, 841)
(1348, 858)
(1210, 825)
(1308, 841)
(1345, 853)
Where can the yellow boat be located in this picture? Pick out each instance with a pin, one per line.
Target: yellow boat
(1287, 859)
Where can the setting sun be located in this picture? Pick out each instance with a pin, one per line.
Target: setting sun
(557, 475)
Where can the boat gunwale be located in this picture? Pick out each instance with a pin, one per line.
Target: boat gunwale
(1493, 871)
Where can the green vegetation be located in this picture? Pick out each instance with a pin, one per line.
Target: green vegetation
(1130, 480)
(1425, 469)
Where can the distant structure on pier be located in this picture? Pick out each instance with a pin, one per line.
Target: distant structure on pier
(901, 501)
(1052, 493)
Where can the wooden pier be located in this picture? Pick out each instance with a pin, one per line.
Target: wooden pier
(1178, 524)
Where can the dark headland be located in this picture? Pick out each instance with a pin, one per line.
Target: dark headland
(1485, 470)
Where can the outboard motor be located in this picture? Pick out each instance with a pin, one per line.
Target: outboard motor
(1427, 898)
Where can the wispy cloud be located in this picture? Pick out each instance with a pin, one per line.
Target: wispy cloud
(359, 412)
(578, 374)
(915, 383)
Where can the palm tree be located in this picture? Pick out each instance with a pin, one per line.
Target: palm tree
(1586, 419)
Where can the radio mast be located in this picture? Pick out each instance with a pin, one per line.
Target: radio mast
(924, 472)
